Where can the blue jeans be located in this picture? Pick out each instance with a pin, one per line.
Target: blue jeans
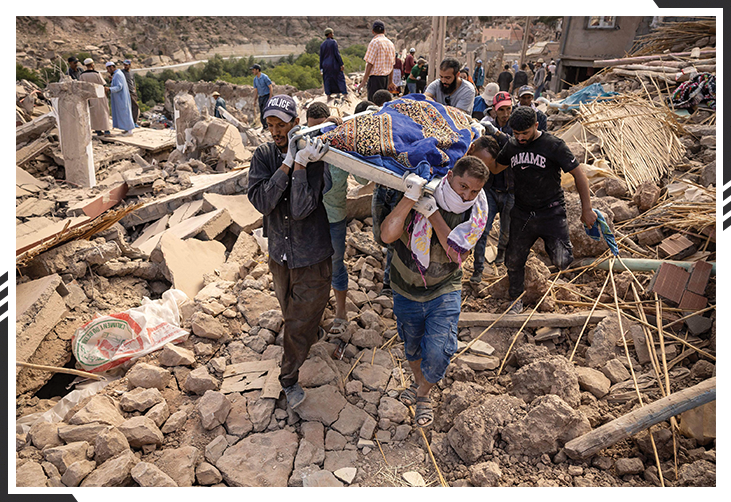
(383, 202)
(262, 104)
(337, 238)
(429, 331)
(411, 87)
(502, 202)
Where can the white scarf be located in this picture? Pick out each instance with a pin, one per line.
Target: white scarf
(463, 237)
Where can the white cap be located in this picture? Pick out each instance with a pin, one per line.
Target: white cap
(412, 50)
(88, 61)
(110, 63)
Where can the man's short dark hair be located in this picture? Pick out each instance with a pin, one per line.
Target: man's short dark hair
(318, 110)
(381, 96)
(471, 166)
(523, 66)
(522, 118)
(489, 144)
(362, 106)
(448, 63)
(378, 26)
(507, 66)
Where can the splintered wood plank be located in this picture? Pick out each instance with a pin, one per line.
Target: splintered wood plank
(249, 367)
(272, 387)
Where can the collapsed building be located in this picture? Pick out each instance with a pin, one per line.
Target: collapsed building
(167, 209)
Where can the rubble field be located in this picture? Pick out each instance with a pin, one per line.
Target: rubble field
(207, 410)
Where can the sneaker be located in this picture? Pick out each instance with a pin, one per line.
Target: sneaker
(500, 258)
(516, 307)
(476, 278)
(295, 395)
(127, 133)
(386, 291)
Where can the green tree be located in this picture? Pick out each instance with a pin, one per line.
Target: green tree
(311, 60)
(313, 46)
(21, 72)
(357, 50)
(213, 69)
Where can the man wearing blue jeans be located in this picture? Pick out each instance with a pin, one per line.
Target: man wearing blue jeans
(263, 86)
(427, 287)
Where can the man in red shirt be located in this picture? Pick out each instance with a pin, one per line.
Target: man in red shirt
(409, 62)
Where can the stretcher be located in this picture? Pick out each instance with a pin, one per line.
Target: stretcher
(356, 166)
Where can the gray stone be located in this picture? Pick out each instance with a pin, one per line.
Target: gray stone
(109, 443)
(146, 474)
(215, 449)
(335, 441)
(346, 474)
(175, 421)
(100, 409)
(485, 474)
(179, 464)
(260, 410)
(213, 408)
(42, 434)
(374, 377)
(264, 459)
(551, 375)
(64, 456)
(207, 475)
(140, 399)
(593, 381)
(603, 463)
(238, 421)
(368, 428)
(271, 320)
(702, 369)
(402, 432)
(393, 410)
(366, 338)
(698, 324)
(708, 175)
(30, 474)
(148, 376)
(480, 363)
(628, 466)
(322, 404)
(199, 381)
(335, 460)
(315, 372)
(350, 421)
(321, 479)
(172, 355)
(141, 431)
(159, 413)
(86, 432)
(615, 371)
(114, 472)
(206, 326)
(77, 471)
(698, 473)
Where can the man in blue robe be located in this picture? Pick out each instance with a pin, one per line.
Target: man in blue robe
(121, 103)
(331, 66)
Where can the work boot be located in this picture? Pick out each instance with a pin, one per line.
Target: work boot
(516, 308)
(476, 277)
(295, 395)
(500, 258)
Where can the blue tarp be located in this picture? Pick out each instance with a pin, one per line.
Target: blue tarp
(585, 95)
(601, 230)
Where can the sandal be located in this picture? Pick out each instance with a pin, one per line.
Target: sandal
(408, 395)
(338, 326)
(424, 415)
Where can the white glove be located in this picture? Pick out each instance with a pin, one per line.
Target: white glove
(490, 128)
(426, 205)
(292, 147)
(313, 152)
(413, 186)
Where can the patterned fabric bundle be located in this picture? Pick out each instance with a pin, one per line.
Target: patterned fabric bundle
(407, 134)
(700, 88)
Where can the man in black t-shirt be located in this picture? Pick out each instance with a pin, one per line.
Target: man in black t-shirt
(536, 159)
(521, 77)
(504, 79)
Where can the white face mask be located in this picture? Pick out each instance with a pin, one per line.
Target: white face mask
(450, 200)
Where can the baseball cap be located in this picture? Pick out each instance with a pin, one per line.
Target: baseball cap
(412, 50)
(281, 106)
(478, 61)
(490, 90)
(255, 67)
(501, 99)
(215, 93)
(88, 61)
(110, 63)
(126, 61)
(525, 89)
(73, 59)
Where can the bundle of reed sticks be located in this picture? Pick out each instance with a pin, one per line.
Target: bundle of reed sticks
(668, 35)
(637, 135)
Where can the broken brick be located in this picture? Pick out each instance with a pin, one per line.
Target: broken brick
(670, 281)
(699, 275)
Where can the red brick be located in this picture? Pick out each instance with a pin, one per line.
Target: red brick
(699, 275)
(692, 301)
(674, 246)
(669, 282)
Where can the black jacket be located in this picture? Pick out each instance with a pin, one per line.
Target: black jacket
(295, 221)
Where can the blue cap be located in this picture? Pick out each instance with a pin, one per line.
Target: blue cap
(126, 61)
(282, 107)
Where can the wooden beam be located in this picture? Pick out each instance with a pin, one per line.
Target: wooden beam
(470, 319)
(31, 151)
(524, 48)
(640, 419)
(642, 59)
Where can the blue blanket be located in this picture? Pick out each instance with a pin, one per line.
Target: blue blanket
(408, 134)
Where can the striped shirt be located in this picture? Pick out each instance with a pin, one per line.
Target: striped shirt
(381, 54)
(442, 276)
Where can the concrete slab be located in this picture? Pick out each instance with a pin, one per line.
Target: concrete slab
(185, 262)
(31, 226)
(27, 181)
(187, 210)
(152, 230)
(39, 307)
(34, 239)
(152, 140)
(96, 206)
(34, 207)
(244, 215)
